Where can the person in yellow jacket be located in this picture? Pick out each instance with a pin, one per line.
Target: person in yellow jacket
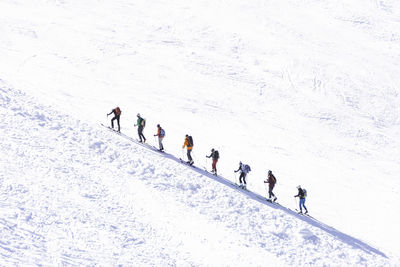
(189, 146)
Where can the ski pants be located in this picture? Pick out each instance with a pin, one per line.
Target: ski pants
(160, 144)
(189, 155)
(214, 165)
(112, 122)
(242, 176)
(271, 194)
(302, 204)
(140, 132)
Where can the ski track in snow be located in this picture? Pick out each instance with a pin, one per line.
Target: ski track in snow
(76, 194)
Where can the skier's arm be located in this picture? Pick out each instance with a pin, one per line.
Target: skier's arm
(110, 112)
(184, 144)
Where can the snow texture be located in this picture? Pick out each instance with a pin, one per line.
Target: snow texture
(307, 89)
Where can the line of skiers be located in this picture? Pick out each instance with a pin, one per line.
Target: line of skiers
(188, 143)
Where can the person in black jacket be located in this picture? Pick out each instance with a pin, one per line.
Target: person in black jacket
(215, 156)
(117, 114)
(302, 196)
(271, 181)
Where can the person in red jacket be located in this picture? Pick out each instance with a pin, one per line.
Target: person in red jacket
(271, 181)
(117, 114)
(215, 156)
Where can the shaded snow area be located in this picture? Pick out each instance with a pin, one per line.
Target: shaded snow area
(308, 89)
(76, 194)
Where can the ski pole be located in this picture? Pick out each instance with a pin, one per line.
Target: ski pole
(266, 189)
(155, 140)
(295, 204)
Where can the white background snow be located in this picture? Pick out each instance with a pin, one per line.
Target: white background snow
(308, 89)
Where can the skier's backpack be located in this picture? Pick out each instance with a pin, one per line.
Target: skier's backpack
(273, 178)
(162, 132)
(247, 168)
(304, 192)
(216, 154)
(190, 138)
(117, 111)
(143, 122)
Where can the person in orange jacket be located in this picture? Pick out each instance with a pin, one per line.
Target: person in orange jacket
(189, 146)
(160, 134)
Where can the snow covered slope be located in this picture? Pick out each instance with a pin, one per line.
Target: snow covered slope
(77, 194)
(308, 89)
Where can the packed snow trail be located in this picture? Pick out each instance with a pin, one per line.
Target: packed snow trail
(72, 193)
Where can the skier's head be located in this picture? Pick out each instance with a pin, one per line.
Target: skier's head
(240, 163)
(212, 149)
(186, 135)
(269, 172)
(298, 187)
(138, 114)
(158, 125)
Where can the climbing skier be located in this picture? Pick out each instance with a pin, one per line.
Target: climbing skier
(244, 170)
(117, 114)
(189, 146)
(160, 134)
(141, 123)
(302, 194)
(215, 156)
(271, 181)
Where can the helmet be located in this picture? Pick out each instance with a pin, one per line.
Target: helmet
(158, 125)
(240, 163)
(298, 187)
(269, 171)
(187, 135)
(212, 149)
(138, 114)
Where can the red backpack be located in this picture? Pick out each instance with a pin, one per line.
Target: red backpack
(117, 111)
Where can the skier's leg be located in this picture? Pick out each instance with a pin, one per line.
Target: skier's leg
(214, 165)
(140, 133)
(304, 205)
(112, 122)
(119, 127)
(160, 143)
(189, 156)
(301, 204)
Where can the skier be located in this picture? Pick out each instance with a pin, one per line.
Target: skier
(215, 156)
(302, 194)
(244, 170)
(117, 114)
(141, 123)
(189, 145)
(160, 134)
(271, 181)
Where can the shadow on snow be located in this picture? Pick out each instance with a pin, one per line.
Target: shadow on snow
(352, 241)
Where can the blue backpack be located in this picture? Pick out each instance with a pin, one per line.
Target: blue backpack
(247, 168)
(162, 132)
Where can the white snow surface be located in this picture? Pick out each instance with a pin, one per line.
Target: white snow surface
(308, 89)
